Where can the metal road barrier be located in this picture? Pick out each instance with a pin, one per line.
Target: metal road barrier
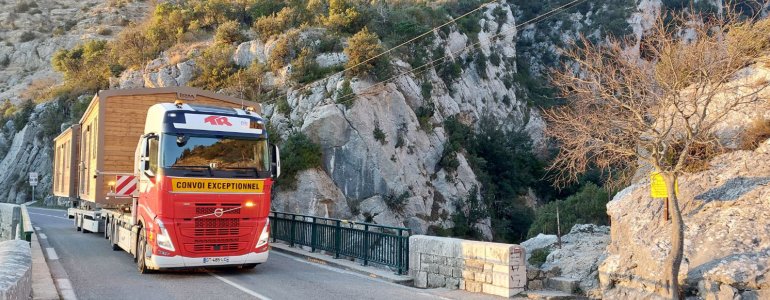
(374, 243)
(26, 225)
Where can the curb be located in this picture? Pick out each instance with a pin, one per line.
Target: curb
(321, 259)
(43, 287)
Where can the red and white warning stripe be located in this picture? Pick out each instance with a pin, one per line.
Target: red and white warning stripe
(125, 186)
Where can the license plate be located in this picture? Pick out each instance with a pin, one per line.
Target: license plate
(216, 260)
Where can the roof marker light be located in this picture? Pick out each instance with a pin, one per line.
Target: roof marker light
(178, 103)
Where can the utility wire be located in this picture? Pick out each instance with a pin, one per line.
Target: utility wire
(423, 68)
(432, 30)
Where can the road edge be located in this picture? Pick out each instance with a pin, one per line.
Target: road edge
(43, 287)
(343, 264)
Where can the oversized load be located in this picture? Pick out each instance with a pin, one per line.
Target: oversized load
(108, 134)
(65, 177)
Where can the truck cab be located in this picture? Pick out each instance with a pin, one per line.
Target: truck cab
(203, 193)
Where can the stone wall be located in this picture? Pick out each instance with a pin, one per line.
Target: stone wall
(9, 218)
(482, 267)
(15, 270)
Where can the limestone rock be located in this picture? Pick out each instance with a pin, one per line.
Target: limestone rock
(316, 196)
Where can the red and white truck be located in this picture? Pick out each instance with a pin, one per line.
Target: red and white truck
(178, 177)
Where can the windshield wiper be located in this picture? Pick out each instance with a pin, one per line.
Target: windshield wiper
(211, 172)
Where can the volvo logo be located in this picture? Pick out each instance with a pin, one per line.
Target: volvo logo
(218, 212)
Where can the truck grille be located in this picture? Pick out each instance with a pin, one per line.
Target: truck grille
(216, 232)
(210, 210)
(216, 223)
(215, 247)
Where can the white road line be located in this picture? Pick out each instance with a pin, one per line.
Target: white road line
(37, 228)
(51, 254)
(65, 288)
(42, 235)
(240, 287)
(52, 216)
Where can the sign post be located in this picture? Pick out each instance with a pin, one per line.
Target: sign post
(658, 189)
(33, 183)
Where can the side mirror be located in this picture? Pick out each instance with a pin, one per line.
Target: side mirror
(275, 161)
(145, 165)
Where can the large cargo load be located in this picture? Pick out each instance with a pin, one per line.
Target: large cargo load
(65, 178)
(111, 127)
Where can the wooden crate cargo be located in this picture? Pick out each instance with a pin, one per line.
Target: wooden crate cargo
(111, 127)
(65, 176)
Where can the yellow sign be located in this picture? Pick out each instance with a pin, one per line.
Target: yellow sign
(197, 185)
(658, 186)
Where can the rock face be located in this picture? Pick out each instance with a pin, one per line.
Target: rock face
(30, 34)
(28, 151)
(582, 251)
(727, 225)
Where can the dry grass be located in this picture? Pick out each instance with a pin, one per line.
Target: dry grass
(756, 133)
(38, 90)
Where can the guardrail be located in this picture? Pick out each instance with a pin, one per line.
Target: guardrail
(374, 243)
(26, 230)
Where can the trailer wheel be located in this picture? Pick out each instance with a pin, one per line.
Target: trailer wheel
(78, 223)
(113, 235)
(141, 246)
(106, 229)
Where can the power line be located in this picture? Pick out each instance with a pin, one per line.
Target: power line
(417, 70)
(432, 30)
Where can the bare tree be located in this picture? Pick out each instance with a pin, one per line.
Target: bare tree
(659, 109)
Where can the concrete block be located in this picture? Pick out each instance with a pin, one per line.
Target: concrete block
(467, 274)
(500, 291)
(488, 268)
(473, 286)
(479, 276)
(15, 269)
(536, 284)
(501, 268)
(462, 284)
(567, 285)
(497, 253)
(488, 278)
(436, 280)
(457, 273)
(452, 283)
(414, 259)
(421, 279)
(474, 265)
(433, 268)
(473, 250)
(445, 270)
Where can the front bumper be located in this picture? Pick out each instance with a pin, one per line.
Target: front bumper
(170, 262)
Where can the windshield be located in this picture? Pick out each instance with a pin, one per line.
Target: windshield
(212, 153)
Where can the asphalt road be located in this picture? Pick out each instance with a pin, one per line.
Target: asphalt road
(94, 271)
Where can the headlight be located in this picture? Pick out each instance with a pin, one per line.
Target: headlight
(265, 235)
(163, 239)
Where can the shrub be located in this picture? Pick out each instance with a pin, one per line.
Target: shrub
(305, 68)
(132, 47)
(426, 89)
(587, 206)
(285, 50)
(467, 215)
(755, 134)
(215, 67)
(228, 33)
(379, 134)
(481, 65)
(342, 17)
(86, 66)
(22, 113)
(247, 83)
(303, 154)
(26, 36)
(104, 31)
(539, 256)
(277, 23)
(282, 106)
(363, 46)
(396, 202)
(346, 95)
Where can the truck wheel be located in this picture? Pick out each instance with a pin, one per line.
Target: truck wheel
(113, 239)
(141, 246)
(106, 230)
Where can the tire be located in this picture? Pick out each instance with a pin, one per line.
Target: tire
(107, 230)
(113, 242)
(141, 247)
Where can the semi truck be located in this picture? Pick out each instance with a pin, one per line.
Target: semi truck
(177, 177)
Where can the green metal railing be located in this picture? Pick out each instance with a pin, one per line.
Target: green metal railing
(378, 244)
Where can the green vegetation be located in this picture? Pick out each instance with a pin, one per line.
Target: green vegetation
(587, 206)
(229, 33)
(379, 134)
(305, 154)
(361, 48)
(346, 95)
(503, 162)
(396, 202)
(215, 67)
(539, 256)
